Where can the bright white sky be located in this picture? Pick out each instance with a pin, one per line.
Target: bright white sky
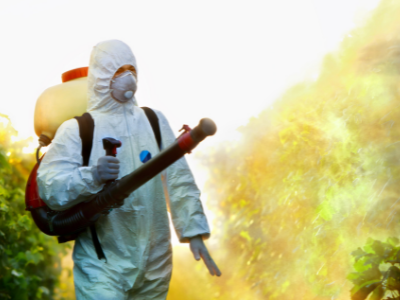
(222, 59)
(226, 60)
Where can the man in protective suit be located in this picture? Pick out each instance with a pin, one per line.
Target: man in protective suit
(135, 237)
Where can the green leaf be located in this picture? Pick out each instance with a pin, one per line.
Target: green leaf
(4, 162)
(360, 265)
(34, 258)
(394, 272)
(393, 278)
(362, 291)
(245, 234)
(358, 253)
(20, 256)
(325, 210)
(378, 293)
(45, 290)
(4, 192)
(354, 276)
(378, 248)
(4, 207)
(394, 241)
(374, 260)
(25, 222)
(16, 273)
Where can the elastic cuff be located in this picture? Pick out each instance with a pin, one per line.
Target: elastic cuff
(95, 174)
(186, 239)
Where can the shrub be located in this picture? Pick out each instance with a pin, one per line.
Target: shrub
(29, 260)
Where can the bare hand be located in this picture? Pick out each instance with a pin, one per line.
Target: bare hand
(199, 250)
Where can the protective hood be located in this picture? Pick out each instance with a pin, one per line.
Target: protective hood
(106, 58)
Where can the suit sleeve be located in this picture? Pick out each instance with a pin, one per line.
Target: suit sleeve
(62, 180)
(183, 196)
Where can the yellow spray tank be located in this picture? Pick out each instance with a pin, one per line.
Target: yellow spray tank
(60, 103)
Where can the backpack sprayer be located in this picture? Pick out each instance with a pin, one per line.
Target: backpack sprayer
(60, 103)
(84, 214)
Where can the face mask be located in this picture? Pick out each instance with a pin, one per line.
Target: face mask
(123, 87)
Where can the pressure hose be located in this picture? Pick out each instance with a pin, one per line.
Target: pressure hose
(44, 141)
(84, 214)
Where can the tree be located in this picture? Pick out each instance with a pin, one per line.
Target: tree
(29, 260)
(314, 175)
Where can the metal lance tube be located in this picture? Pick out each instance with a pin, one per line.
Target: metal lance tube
(86, 213)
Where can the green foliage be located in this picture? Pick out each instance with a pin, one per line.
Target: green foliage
(314, 176)
(29, 260)
(376, 270)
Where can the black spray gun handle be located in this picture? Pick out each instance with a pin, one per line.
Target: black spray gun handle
(111, 145)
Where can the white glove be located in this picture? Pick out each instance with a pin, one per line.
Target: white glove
(199, 250)
(107, 169)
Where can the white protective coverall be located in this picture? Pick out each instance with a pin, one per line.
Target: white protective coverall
(135, 237)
